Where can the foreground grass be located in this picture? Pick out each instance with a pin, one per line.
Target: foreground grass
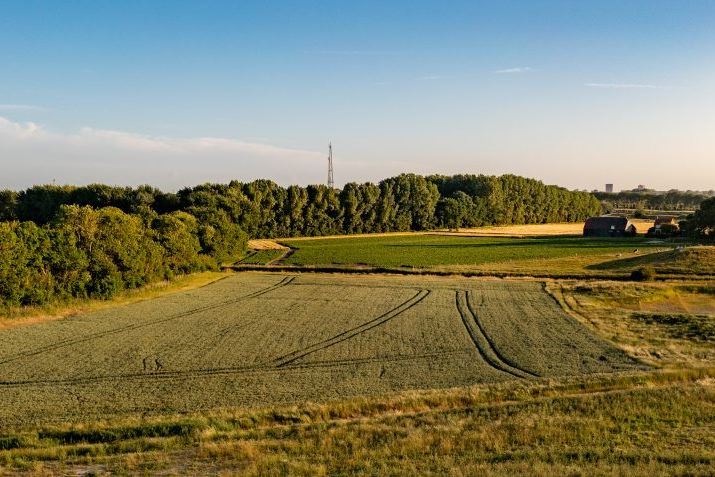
(37, 314)
(539, 256)
(658, 423)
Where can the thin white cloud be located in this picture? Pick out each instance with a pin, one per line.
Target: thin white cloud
(515, 70)
(34, 154)
(20, 107)
(432, 77)
(621, 86)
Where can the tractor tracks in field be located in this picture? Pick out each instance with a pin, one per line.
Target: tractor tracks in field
(284, 362)
(229, 370)
(70, 342)
(289, 358)
(484, 344)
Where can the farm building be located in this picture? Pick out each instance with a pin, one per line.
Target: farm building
(608, 226)
(665, 226)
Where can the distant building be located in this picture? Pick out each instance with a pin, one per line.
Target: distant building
(609, 188)
(608, 226)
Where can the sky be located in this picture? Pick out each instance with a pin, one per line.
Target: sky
(177, 93)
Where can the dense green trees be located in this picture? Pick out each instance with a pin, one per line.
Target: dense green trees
(96, 240)
(262, 208)
(87, 252)
(509, 199)
(702, 222)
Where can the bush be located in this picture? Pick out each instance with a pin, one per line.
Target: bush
(86, 252)
(643, 274)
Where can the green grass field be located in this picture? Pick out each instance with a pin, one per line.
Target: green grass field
(539, 256)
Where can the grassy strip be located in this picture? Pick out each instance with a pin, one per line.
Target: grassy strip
(637, 423)
(367, 270)
(38, 314)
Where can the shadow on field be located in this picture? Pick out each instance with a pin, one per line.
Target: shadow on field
(656, 258)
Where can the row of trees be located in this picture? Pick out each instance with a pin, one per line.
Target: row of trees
(94, 241)
(87, 252)
(264, 209)
(654, 200)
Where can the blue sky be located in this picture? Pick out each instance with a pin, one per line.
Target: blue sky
(174, 93)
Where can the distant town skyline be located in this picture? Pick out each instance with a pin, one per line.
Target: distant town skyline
(175, 93)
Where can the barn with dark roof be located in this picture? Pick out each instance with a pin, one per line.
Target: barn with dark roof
(608, 226)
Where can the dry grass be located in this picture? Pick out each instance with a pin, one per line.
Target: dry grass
(265, 244)
(635, 424)
(530, 230)
(526, 230)
(539, 230)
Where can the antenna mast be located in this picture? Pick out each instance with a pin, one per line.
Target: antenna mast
(331, 181)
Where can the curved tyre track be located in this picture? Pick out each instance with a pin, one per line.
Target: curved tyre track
(346, 335)
(93, 336)
(228, 371)
(481, 340)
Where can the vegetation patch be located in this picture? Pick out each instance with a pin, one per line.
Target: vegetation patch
(681, 325)
(689, 260)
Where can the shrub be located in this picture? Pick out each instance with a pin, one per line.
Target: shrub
(643, 274)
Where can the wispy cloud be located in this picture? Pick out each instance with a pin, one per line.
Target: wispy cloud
(20, 107)
(34, 153)
(621, 86)
(515, 70)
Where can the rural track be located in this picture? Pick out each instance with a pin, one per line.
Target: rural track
(484, 344)
(352, 332)
(230, 370)
(63, 344)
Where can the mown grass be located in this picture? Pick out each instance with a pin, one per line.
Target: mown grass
(656, 423)
(539, 255)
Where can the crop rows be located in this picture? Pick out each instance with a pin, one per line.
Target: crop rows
(256, 338)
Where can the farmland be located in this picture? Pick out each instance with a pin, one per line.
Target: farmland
(259, 338)
(539, 256)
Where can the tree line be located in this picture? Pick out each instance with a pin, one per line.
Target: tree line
(264, 209)
(653, 200)
(94, 241)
